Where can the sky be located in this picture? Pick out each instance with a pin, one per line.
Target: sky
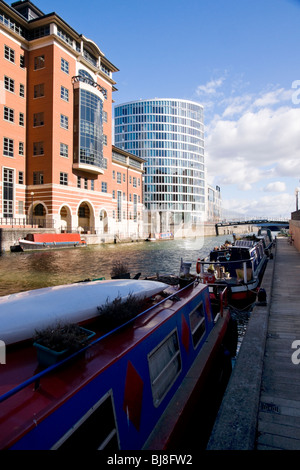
(240, 59)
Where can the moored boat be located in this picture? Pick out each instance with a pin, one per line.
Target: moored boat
(46, 241)
(134, 385)
(239, 266)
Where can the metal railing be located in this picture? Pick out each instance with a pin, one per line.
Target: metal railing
(25, 222)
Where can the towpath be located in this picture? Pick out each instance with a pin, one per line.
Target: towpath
(261, 406)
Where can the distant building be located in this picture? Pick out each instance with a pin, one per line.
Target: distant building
(58, 166)
(214, 204)
(169, 135)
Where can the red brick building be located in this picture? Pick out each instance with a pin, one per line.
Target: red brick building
(58, 165)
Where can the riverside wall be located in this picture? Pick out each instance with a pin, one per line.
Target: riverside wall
(295, 232)
(9, 236)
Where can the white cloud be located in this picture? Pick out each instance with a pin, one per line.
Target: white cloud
(276, 186)
(210, 87)
(250, 139)
(243, 148)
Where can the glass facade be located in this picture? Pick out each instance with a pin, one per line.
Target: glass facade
(88, 125)
(169, 135)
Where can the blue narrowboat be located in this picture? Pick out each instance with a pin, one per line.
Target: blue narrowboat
(134, 387)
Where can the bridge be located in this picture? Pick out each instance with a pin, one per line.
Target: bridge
(272, 224)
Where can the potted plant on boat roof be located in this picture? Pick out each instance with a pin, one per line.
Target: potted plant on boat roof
(120, 270)
(119, 311)
(56, 342)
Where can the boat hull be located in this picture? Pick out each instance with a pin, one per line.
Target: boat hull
(47, 241)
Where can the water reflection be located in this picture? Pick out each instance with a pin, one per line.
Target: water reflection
(24, 271)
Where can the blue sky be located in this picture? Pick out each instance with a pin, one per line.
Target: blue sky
(239, 58)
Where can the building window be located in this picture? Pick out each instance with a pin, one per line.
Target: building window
(124, 179)
(104, 139)
(78, 182)
(21, 119)
(8, 192)
(64, 150)
(22, 90)
(114, 194)
(38, 90)
(92, 185)
(119, 180)
(8, 147)
(39, 62)
(8, 114)
(38, 119)
(104, 187)
(21, 148)
(88, 148)
(22, 61)
(64, 93)
(64, 66)
(164, 366)
(135, 207)
(21, 207)
(38, 148)
(9, 84)
(64, 121)
(104, 116)
(134, 182)
(21, 177)
(105, 163)
(85, 183)
(38, 177)
(63, 178)
(9, 54)
(119, 206)
(114, 174)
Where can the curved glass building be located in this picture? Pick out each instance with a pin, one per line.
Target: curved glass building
(169, 135)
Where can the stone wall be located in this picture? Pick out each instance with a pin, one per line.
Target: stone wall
(295, 232)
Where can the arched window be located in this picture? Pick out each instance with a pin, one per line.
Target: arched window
(85, 74)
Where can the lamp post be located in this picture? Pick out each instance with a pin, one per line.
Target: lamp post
(296, 194)
(32, 194)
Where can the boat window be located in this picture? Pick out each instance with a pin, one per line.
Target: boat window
(164, 366)
(197, 323)
(96, 430)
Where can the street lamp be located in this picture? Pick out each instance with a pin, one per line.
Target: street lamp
(32, 194)
(296, 194)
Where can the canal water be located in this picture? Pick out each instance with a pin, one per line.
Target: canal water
(33, 270)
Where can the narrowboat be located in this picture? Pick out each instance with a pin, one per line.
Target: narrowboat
(46, 241)
(239, 266)
(133, 387)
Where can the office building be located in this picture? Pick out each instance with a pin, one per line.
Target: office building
(169, 135)
(59, 167)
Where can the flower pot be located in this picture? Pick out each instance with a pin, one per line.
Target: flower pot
(48, 357)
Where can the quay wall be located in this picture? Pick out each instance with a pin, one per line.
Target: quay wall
(9, 236)
(295, 232)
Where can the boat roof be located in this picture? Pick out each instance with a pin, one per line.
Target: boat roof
(57, 384)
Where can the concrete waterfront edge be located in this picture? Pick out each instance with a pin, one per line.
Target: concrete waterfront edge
(236, 423)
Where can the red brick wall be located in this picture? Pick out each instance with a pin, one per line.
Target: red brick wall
(295, 232)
